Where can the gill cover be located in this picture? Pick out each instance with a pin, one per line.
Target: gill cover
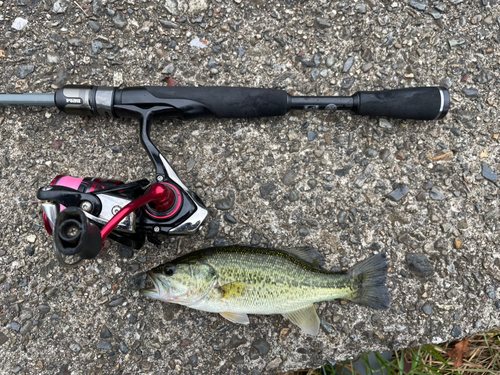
(182, 283)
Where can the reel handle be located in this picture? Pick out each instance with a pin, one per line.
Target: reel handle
(75, 234)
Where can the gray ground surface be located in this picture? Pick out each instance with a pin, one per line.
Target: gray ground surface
(53, 320)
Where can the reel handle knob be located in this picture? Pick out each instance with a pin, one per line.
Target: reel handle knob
(74, 234)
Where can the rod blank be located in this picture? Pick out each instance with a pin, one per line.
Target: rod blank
(38, 100)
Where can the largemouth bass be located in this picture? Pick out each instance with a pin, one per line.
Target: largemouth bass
(236, 280)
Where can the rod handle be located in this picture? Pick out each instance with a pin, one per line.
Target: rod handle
(418, 103)
(227, 102)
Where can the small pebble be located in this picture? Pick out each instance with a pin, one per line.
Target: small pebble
(371, 153)
(421, 197)
(488, 173)
(420, 5)
(168, 24)
(157, 355)
(193, 360)
(428, 185)
(44, 309)
(384, 123)
(293, 196)
(15, 326)
(347, 83)
(361, 8)
(75, 42)
(262, 346)
(97, 46)
(19, 23)
(30, 251)
(322, 23)
(400, 155)
(348, 64)
(94, 26)
(104, 345)
(273, 364)
(435, 14)
(289, 177)
(456, 332)
(470, 93)
(119, 20)
(229, 218)
(384, 154)
(427, 309)
(490, 291)
(342, 172)
(123, 347)
(312, 183)
(314, 75)
(398, 193)
(303, 231)
(267, 189)
(225, 203)
(420, 265)
(105, 333)
(311, 136)
(116, 302)
(213, 229)
(436, 194)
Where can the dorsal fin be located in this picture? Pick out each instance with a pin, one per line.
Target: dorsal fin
(307, 254)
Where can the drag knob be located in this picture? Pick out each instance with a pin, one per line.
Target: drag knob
(168, 206)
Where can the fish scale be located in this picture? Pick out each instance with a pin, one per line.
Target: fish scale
(277, 283)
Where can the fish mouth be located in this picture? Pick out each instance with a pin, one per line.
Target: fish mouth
(151, 286)
(155, 287)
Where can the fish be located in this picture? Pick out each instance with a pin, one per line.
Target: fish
(235, 281)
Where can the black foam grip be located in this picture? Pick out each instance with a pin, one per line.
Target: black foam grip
(419, 103)
(230, 102)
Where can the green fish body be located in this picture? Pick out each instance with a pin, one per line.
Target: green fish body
(237, 280)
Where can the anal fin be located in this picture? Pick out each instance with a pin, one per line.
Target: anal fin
(240, 318)
(306, 319)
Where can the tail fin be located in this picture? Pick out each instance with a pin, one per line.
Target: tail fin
(368, 281)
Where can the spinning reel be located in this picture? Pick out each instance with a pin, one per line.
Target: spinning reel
(81, 212)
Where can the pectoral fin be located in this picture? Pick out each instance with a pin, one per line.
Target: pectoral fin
(239, 318)
(306, 318)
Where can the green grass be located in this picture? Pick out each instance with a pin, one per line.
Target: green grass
(483, 358)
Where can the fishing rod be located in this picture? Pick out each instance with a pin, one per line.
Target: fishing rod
(81, 212)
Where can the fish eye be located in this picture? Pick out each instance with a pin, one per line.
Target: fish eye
(169, 271)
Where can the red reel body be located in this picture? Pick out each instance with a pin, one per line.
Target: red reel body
(85, 185)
